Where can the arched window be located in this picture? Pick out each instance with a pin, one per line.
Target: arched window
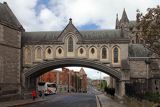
(81, 50)
(70, 44)
(27, 55)
(38, 53)
(49, 51)
(104, 53)
(92, 51)
(59, 50)
(115, 52)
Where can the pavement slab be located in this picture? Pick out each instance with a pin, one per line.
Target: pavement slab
(108, 102)
(17, 103)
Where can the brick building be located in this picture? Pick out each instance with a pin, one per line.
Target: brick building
(67, 80)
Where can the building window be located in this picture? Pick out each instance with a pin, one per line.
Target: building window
(27, 55)
(49, 51)
(59, 51)
(92, 51)
(70, 44)
(104, 53)
(81, 50)
(115, 52)
(38, 53)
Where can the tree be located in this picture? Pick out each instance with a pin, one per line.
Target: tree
(149, 28)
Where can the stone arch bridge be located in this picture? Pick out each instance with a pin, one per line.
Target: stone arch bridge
(117, 52)
(104, 50)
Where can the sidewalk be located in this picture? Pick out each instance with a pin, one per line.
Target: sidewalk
(108, 102)
(20, 102)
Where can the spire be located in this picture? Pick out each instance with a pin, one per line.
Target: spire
(124, 18)
(117, 22)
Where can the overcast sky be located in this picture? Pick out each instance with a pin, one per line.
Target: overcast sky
(36, 15)
(52, 15)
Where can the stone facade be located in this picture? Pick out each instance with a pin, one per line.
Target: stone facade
(117, 52)
(10, 52)
(10, 64)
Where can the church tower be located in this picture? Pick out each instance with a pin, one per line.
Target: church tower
(117, 22)
(124, 21)
(124, 18)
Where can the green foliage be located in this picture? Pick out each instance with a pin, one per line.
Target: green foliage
(154, 97)
(149, 28)
(103, 84)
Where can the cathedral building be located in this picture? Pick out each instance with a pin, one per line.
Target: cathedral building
(118, 52)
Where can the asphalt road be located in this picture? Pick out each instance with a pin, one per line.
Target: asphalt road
(68, 100)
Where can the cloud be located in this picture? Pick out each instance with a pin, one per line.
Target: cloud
(54, 14)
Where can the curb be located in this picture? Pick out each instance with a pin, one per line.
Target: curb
(99, 104)
(29, 103)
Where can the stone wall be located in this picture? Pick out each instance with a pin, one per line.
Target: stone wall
(10, 61)
(132, 102)
(138, 69)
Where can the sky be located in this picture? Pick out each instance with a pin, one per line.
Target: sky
(53, 15)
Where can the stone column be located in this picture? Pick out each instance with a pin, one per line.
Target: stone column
(120, 88)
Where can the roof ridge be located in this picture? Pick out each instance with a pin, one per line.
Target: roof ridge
(41, 31)
(100, 30)
(11, 13)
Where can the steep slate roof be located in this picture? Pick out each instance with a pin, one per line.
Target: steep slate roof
(138, 50)
(42, 37)
(7, 17)
(51, 36)
(101, 34)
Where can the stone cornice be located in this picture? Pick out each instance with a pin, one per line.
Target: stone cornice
(119, 41)
(20, 28)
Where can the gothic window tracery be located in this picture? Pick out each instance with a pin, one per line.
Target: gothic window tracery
(116, 55)
(104, 53)
(70, 44)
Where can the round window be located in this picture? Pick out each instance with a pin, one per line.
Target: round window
(92, 51)
(59, 51)
(81, 51)
(49, 51)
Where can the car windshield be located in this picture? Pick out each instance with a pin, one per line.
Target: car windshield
(51, 85)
